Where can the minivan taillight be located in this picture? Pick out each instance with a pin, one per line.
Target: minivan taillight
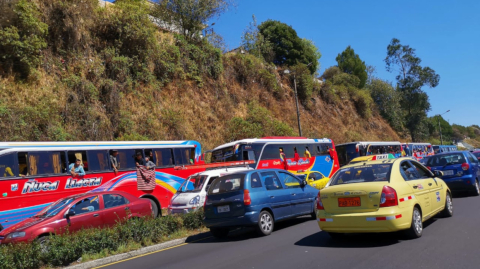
(319, 202)
(465, 166)
(389, 197)
(246, 197)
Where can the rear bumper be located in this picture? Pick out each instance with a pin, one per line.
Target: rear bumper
(384, 220)
(181, 210)
(250, 218)
(463, 183)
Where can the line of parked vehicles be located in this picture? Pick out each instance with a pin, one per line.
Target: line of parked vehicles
(374, 193)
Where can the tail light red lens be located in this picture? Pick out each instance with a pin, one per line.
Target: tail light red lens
(319, 202)
(465, 166)
(246, 197)
(389, 197)
(429, 168)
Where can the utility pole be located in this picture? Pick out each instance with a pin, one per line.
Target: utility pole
(296, 102)
(439, 127)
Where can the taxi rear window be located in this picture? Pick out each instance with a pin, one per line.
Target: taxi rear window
(361, 174)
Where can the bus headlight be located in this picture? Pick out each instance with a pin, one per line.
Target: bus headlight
(195, 200)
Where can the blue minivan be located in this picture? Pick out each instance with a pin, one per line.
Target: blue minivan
(461, 170)
(256, 198)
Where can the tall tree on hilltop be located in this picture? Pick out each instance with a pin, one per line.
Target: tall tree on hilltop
(411, 78)
(190, 16)
(288, 48)
(350, 63)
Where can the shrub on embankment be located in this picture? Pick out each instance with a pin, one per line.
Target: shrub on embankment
(64, 249)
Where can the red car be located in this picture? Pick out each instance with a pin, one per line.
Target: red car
(477, 154)
(100, 209)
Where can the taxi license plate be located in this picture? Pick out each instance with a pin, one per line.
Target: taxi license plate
(348, 202)
(448, 173)
(223, 209)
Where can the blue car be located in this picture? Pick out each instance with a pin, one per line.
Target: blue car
(256, 198)
(461, 170)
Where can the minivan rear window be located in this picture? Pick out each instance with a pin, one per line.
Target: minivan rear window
(446, 159)
(227, 183)
(363, 173)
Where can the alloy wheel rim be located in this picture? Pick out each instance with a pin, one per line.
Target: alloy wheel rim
(476, 186)
(449, 204)
(417, 221)
(266, 222)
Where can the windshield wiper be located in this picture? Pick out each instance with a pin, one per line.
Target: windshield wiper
(447, 164)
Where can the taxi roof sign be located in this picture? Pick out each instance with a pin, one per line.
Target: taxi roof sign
(372, 158)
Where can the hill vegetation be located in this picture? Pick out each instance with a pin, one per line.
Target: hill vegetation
(73, 70)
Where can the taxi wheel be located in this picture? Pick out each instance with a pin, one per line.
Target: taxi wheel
(416, 229)
(448, 211)
(476, 191)
(219, 232)
(265, 223)
(313, 215)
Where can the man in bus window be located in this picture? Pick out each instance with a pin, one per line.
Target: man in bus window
(307, 153)
(296, 157)
(113, 160)
(138, 159)
(76, 169)
(283, 157)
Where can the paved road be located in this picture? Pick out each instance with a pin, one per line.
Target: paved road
(446, 243)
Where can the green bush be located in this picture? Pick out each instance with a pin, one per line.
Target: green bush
(64, 249)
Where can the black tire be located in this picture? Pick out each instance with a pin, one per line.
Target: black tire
(219, 232)
(313, 215)
(43, 242)
(154, 208)
(447, 212)
(476, 191)
(336, 236)
(416, 228)
(265, 223)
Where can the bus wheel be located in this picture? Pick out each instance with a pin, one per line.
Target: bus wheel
(154, 207)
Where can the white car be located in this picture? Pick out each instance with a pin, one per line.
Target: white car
(191, 194)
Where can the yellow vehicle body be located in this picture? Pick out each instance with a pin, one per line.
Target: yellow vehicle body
(316, 179)
(428, 194)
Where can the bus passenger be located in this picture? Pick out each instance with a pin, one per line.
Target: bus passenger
(149, 164)
(113, 160)
(138, 159)
(283, 157)
(296, 157)
(307, 153)
(76, 169)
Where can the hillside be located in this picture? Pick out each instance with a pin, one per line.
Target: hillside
(109, 74)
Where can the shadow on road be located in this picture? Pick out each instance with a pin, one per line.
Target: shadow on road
(462, 194)
(245, 233)
(367, 240)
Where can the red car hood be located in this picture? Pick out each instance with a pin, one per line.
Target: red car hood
(23, 225)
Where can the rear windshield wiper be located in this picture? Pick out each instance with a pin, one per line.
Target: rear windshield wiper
(447, 164)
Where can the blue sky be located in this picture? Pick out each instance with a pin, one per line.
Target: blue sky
(445, 34)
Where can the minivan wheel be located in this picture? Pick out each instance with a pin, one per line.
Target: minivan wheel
(448, 211)
(219, 232)
(265, 223)
(416, 229)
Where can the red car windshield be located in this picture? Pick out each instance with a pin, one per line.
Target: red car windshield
(54, 208)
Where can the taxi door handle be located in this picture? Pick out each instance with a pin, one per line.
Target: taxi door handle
(272, 197)
(294, 194)
(429, 184)
(95, 215)
(415, 186)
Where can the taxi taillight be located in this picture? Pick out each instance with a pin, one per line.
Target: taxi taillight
(319, 202)
(246, 197)
(389, 197)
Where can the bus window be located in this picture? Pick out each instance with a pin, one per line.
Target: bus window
(82, 156)
(7, 165)
(271, 152)
(163, 157)
(98, 160)
(182, 156)
(22, 164)
(45, 163)
(126, 159)
(248, 155)
(149, 153)
(288, 149)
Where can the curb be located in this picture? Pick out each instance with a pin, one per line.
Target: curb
(131, 254)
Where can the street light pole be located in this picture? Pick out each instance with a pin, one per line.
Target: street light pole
(439, 127)
(296, 102)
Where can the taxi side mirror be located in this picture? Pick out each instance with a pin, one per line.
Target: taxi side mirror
(438, 173)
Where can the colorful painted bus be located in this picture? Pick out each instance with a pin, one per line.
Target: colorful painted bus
(35, 174)
(349, 151)
(300, 154)
(418, 150)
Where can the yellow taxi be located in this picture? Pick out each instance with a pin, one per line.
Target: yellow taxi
(384, 195)
(372, 158)
(314, 179)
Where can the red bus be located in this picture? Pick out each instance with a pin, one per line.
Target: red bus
(301, 154)
(35, 174)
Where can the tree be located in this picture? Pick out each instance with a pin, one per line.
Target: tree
(388, 102)
(350, 63)
(411, 78)
(288, 48)
(255, 43)
(190, 16)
